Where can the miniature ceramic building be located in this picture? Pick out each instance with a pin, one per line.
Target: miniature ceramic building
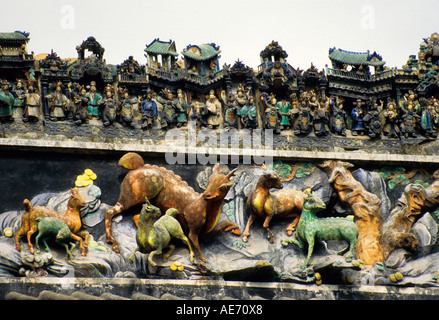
(13, 55)
(351, 77)
(162, 60)
(132, 74)
(313, 79)
(164, 50)
(92, 67)
(274, 71)
(202, 63)
(428, 64)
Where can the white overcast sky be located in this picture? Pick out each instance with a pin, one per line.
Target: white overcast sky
(242, 28)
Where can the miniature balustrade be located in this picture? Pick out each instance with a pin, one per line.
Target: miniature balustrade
(21, 57)
(132, 78)
(167, 75)
(206, 79)
(353, 75)
(384, 74)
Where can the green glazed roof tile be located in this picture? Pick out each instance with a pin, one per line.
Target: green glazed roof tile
(162, 47)
(355, 58)
(16, 36)
(201, 52)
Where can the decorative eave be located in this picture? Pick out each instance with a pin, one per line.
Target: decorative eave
(17, 37)
(274, 49)
(92, 45)
(356, 58)
(162, 47)
(202, 52)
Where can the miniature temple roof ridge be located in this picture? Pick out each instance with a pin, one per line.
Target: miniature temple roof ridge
(274, 49)
(161, 47)
(201, 52)
(356, 58)
(14, 37)
(92, 45)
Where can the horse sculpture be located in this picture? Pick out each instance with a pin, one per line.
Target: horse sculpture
(311, 228)
(198, 213)
(72, 218)
(264, 204)
(155, 233)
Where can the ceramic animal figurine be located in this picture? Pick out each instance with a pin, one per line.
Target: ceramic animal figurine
(267, 204)
(154, 234)
(55, 228)
(311, 228)
(365, 205)
(198, 213)
(71, 218)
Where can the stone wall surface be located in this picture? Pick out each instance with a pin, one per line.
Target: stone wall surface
(44, 170)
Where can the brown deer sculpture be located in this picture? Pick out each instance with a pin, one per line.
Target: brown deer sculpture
(198, 213)
(72, 218)
(265, 204)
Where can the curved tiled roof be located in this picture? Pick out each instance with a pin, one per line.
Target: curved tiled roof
(356, 58)
(161, 47)
(15, 37)
(201, 52)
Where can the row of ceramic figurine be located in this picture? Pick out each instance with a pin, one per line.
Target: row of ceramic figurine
(412, 117)
(84, 103)
(22, 102)
(303, 114)
(178, 211)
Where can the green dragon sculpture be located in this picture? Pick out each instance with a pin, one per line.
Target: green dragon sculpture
(311, 228)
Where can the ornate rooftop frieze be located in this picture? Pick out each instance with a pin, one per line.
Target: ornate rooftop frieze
(357, 91)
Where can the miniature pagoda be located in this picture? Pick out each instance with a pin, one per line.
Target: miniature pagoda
(15, 61)
(351, 77)
(162, 61)
(202, 63)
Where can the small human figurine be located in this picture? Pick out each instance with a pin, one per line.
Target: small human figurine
(32, 111)
(6, 102)
(19, 100)
(435, 103)
(410, 99)
(80, 114)
(94, 102)
(357, 115)
(198, 113)
(149, 110)
(241, 97)
(303, 123)
(427, 118)
(231, 115)
(313, 101)
(272, 115)
(391, 125)
(213, 106)
(181, 108)
(284, 108)
(248, 115)
(321, 119)
(126, 115)
(109, 115)
(57, 103)
(373, 120)
(168, 113)
(339, 116)
(409, 122)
